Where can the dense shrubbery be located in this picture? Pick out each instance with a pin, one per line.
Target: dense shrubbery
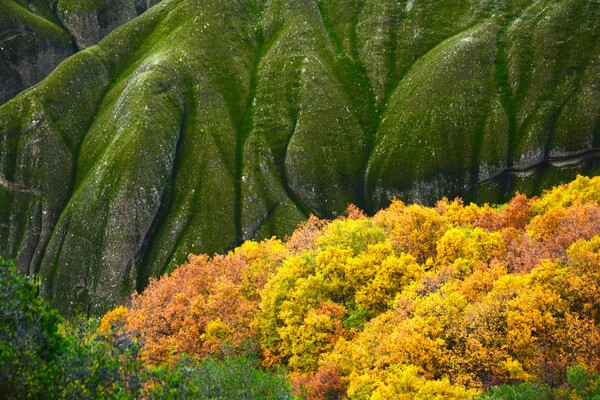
(44, 357)
(414, 302)
(231, 378)
(29, 342)
(36, 360)
(582, 385)
(455, 301)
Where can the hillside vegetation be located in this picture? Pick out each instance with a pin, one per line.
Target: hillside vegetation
(201, 124)
(42, 356)
(412, 303)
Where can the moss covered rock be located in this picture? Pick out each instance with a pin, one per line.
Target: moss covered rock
(202, 124)
(32, 44)
(36, 35)
(90, 21)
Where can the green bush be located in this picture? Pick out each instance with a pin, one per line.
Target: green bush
(44, 357)
(582, 385)
(29, 341)
(522, 391)
(586, 385)
(230, 378)
(97, 366)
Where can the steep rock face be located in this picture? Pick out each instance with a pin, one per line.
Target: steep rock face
(32, 44)
(36, 35)
(491, 98)
(89, 22)
(202, 124)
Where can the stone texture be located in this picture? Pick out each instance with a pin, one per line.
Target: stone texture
(89, 23)
(36, 35)
(202, 124)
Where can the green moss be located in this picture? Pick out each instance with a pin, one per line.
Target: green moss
(25, 34)
(88, 6)
(202, 124)
(558, 37)
(32, 43)
(43, 20)
(438, 119)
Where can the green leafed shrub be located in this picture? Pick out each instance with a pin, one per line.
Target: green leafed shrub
(230, 378)
(44, 357)
(29, 341)
(523, 391)
(582, 385)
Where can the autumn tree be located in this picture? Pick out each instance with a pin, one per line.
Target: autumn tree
(206, 306)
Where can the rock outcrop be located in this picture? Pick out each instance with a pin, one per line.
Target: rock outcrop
(89, 22)
(32, 44)
(202, 124)
(36, 35)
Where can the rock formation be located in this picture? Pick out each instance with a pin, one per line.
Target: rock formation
(36, 35)
(201, 124)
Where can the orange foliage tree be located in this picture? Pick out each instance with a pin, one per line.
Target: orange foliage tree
(205, 306)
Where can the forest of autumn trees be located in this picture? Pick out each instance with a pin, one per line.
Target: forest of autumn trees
(413, 302)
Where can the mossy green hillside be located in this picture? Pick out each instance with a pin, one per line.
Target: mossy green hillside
(507, 103)
(548, 83)
(202, 124)
(443, 115)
